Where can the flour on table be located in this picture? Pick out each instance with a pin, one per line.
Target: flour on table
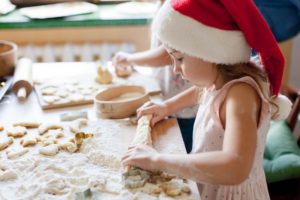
(62, 173)
(7, 174)
(77, 124)
(15, 153)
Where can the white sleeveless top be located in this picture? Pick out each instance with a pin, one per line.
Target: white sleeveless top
(208, 136)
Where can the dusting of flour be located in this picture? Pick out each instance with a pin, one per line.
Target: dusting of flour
(97, 166)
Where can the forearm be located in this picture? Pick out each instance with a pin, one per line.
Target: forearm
(155, 58)
(211, 167)
(187, 98)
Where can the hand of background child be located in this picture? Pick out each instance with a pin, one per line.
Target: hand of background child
(120, 60)
(142, 156)
(158, 111)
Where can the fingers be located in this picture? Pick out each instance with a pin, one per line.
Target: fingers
(155, 120)
(145, 109)
(120, 60)
(150, 108)
(128, 157)
(126, 161)
(145, 105)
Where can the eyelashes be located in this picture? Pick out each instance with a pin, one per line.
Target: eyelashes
(179, 59)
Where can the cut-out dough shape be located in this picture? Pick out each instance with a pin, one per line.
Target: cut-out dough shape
(49, 90)
(50, 150)
(1, 127)
(27, 124)
(16, 131)
(49, 141)
(77, 124)
(5, 142)
(175, 187)
(79, 137)
(28, 141)
(45, 127)
(68, 146)
(50, 99)
(104, 76)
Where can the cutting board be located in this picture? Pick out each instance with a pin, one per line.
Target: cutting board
(75, 84)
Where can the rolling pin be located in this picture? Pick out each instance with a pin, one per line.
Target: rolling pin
(22, 84)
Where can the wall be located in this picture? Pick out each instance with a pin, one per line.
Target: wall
(294, 73)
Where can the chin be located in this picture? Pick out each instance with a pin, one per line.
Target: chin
(201, 85)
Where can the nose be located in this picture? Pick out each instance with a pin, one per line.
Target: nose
(176, 68)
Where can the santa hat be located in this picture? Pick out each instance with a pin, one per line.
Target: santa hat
(220, 31)
(223, 32)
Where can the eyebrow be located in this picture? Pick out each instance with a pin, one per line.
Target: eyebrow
(173, 52)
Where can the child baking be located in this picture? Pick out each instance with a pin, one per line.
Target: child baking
(210, 43)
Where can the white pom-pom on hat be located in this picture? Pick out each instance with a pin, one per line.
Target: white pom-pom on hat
(284, 107)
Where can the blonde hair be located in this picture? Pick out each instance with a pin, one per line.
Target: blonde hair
(256, 72)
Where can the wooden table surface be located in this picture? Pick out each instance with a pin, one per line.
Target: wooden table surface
(166, 135)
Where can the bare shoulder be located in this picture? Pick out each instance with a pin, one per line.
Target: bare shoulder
(244, 96)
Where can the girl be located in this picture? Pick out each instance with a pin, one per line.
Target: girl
(209, 42)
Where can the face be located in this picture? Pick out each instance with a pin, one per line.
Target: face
(194, 70)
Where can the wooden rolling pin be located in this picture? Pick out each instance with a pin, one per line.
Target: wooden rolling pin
(22, 85)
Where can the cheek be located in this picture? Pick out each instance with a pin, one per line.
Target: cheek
(198, 73)
(193, 72)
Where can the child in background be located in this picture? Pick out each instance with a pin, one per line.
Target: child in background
(170, 83)
(210, 43)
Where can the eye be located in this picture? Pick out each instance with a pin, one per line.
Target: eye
(179, 59)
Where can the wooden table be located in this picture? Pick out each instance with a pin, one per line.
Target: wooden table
(11, 110)
(165, 134)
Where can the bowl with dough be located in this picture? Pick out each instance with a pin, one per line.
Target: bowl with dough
(120, 101)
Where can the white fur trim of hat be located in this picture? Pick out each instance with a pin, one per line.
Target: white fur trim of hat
(196, 39)
(284, 107)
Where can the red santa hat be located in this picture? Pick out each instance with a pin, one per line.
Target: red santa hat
(220, 31)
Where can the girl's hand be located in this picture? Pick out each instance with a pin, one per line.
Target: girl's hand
(120, 60)
(158, 111)
(142, 156)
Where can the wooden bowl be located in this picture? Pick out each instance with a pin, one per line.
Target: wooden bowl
(120, 101)
(8, 57)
